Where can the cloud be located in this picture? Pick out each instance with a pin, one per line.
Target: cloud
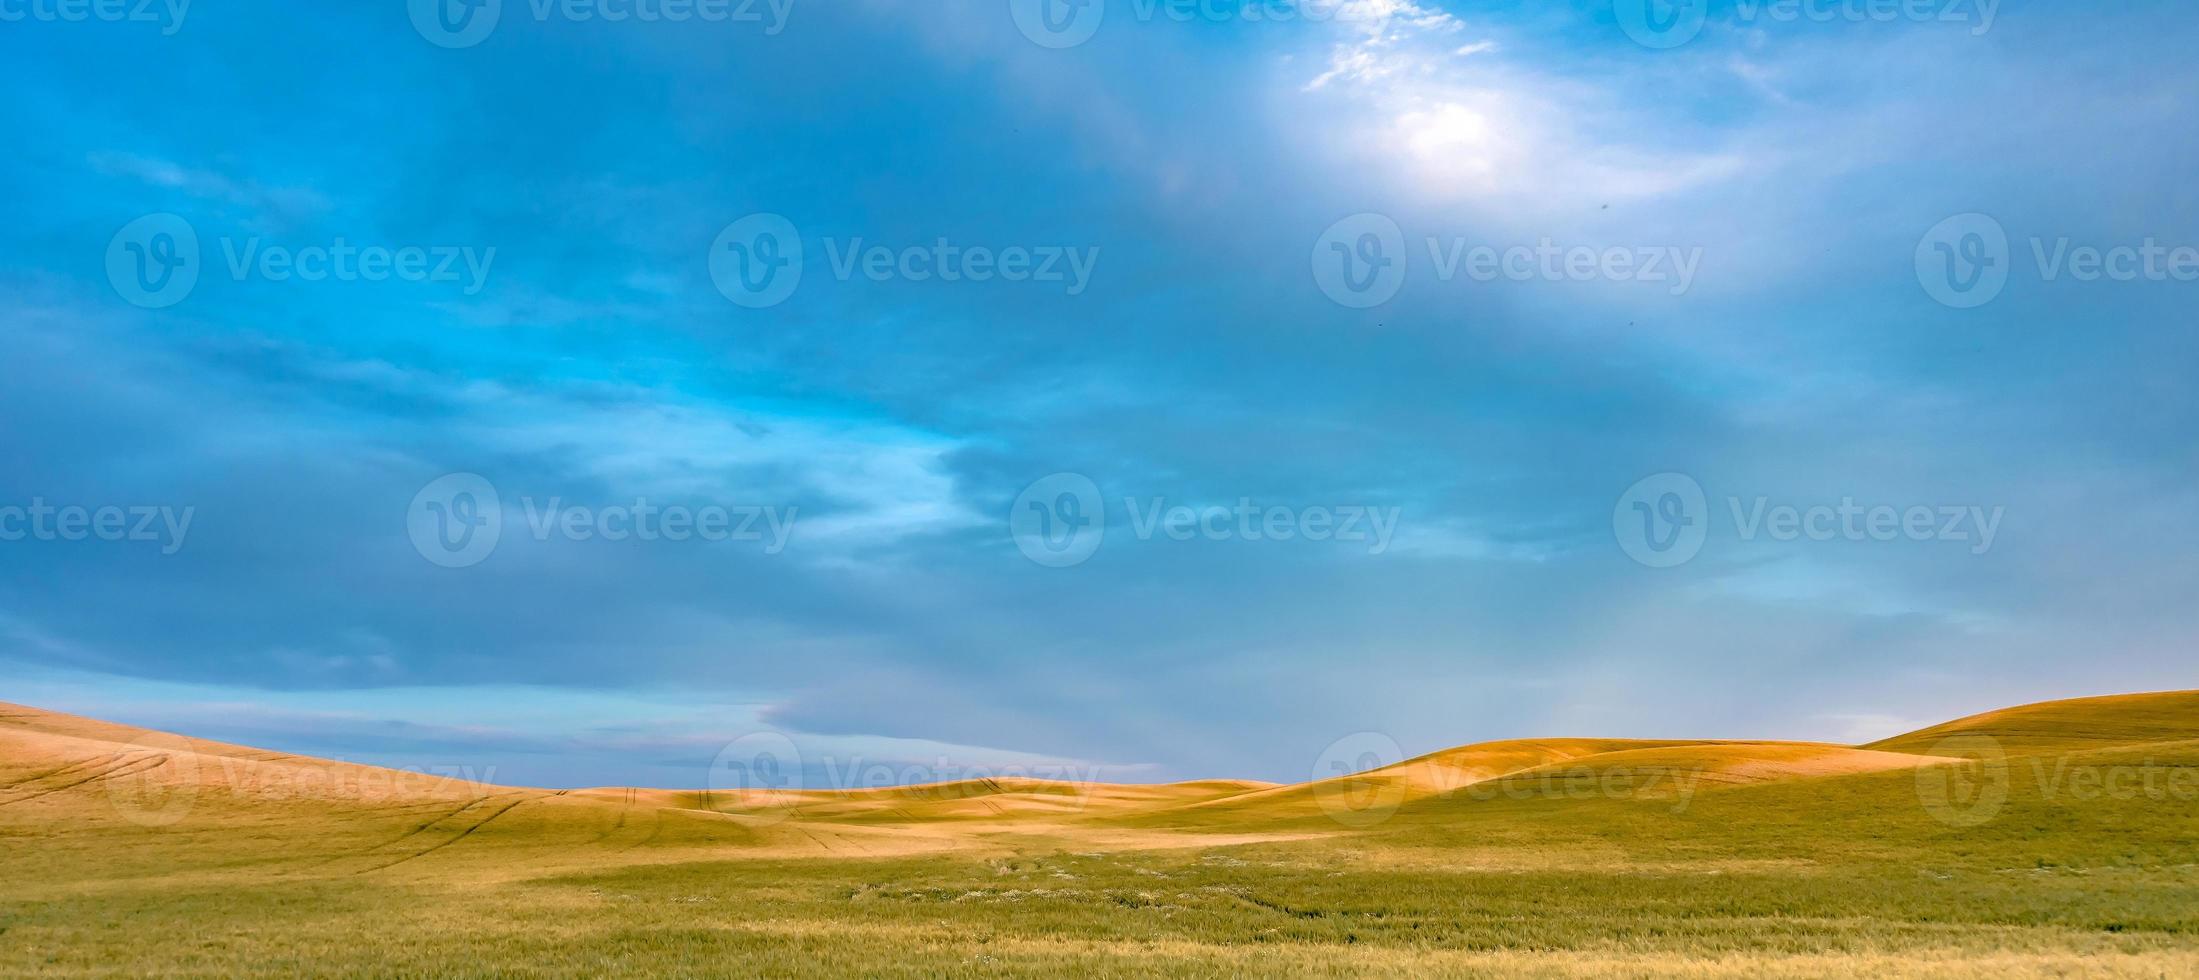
(1457, 124)
(1381, 38)
(1204, 364)
(286, 203)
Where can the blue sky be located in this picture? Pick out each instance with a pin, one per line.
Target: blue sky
(586, 343)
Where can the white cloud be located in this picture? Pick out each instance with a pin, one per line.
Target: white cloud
(866, 482)
(284, 202)
(1451, 122)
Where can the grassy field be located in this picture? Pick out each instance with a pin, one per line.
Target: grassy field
(2052, 840)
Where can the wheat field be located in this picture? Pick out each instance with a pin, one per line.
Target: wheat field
(2050, 840)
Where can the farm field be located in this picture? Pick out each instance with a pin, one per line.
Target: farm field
(2050, 840)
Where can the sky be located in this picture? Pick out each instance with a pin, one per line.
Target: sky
(577, 393)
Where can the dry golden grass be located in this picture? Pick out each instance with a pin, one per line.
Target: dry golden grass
(137, 852)
(2075, 724)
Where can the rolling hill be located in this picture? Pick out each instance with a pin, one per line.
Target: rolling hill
(2071, 725)
(1559, 856)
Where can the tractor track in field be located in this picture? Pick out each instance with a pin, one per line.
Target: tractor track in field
(50, 773)
(623, 813)
(122, 768)
(417, 830)
(461, 835)
(658, 828)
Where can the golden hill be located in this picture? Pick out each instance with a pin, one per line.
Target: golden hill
(2071, 725)
(56, 762)
(1713, 764)
(60, 759)
(136, 852)
(1436, 775)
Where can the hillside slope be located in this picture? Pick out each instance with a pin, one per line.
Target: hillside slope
(2069, 725)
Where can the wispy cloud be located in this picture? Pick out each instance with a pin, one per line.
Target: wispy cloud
(279, 202)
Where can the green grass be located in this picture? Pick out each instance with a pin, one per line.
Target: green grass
(1838, 876)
